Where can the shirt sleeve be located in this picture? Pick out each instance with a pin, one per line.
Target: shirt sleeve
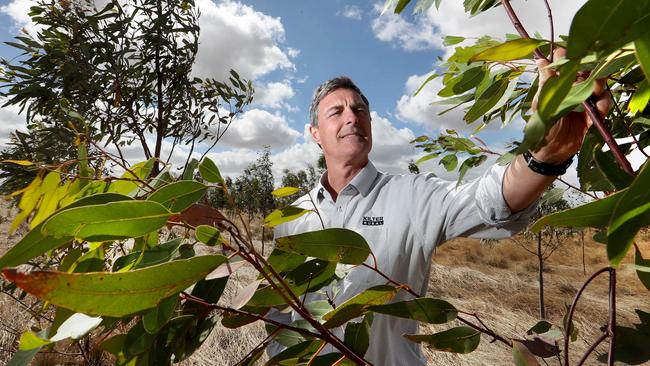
(475, 209)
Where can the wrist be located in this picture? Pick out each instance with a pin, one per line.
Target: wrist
(544, 167)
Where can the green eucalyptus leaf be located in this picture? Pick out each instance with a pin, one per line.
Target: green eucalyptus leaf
(357, 335)
(426, 310)
(208, 235)
(339, 245)
(593, 214)
(555, 90)
(285, 214)
(611, 170)
(160, 253)
(209, 171)
(359, 304)
(642, 50)
(606, 25)
(294, 354)
(486, 100)
(644, 276)
(449, 162)
(115, 294)
(631, 214)
(188, 173)
(285, 191)
(456, 340)
(36, 243)
(640, 98)
(426, 157)
(109, 221)
(452, 40)
(309, 276)
(154, 319)
(515, 49)
(179, 195)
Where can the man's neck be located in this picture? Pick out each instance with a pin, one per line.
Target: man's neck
(339, 175)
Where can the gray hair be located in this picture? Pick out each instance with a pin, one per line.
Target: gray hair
(341, 82)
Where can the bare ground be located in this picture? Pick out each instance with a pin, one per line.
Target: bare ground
(498, 282)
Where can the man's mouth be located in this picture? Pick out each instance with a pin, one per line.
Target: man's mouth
(360, 135)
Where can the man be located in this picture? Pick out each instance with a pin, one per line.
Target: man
(403, 218)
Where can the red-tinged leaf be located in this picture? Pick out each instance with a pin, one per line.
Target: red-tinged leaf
(245, 294)
(522, 355)
(199, 214)
(115, 294)
(225, 270)
(541, 347)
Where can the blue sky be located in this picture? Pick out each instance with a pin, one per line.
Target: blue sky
(288, 47)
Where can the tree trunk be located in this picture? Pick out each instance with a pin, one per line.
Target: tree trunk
(540, 258)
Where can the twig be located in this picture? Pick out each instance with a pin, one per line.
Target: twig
(408, 289)
(550, 21)
(186, 296)
(611, 326)
(35, 313)
(313, 357)
(592, 348)
(577, 189)
(612, 312)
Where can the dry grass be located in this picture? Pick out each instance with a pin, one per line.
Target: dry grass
(499, 282)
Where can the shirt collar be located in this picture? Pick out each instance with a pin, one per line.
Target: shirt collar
(362, 182)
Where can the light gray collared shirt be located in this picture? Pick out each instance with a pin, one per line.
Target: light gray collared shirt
(403, 218)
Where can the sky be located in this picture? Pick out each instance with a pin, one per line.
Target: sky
(289, 47)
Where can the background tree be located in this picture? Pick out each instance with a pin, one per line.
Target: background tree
(252, 189)
(125, 68)
(547, 240)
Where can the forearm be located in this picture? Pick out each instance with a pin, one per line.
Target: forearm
(522, 186)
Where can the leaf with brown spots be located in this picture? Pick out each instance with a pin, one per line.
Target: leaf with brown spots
(115, 294)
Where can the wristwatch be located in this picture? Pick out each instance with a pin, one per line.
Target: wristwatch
(543, 168)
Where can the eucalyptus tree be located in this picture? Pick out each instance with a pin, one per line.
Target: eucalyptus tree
(127, 69)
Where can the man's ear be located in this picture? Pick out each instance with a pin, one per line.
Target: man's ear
(315, 134)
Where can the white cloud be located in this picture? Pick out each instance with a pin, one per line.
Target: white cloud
(426, 31)
(391, 151)
(275, 95)
(411, 36)
(236, 36)
(232, 163)
(18, 10)
(351, 12)
(10, 121)
(257, 128)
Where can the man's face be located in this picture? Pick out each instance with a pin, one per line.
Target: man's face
(343, 131)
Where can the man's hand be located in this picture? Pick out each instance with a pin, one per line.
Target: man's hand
(564, 139)
(522, 186)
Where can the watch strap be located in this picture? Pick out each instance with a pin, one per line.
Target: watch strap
(543, 168)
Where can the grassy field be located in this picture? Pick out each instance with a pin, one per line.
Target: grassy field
(497, 281)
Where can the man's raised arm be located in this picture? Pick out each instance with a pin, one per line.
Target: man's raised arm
(522, 185)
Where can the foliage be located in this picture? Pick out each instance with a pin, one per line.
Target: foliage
(252, 190)
(126, 68)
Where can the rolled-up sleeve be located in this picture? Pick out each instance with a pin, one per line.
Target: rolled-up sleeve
(475, 209)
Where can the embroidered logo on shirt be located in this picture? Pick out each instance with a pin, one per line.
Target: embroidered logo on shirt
(373, 220)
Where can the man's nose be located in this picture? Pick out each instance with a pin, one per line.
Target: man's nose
(349, 116)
